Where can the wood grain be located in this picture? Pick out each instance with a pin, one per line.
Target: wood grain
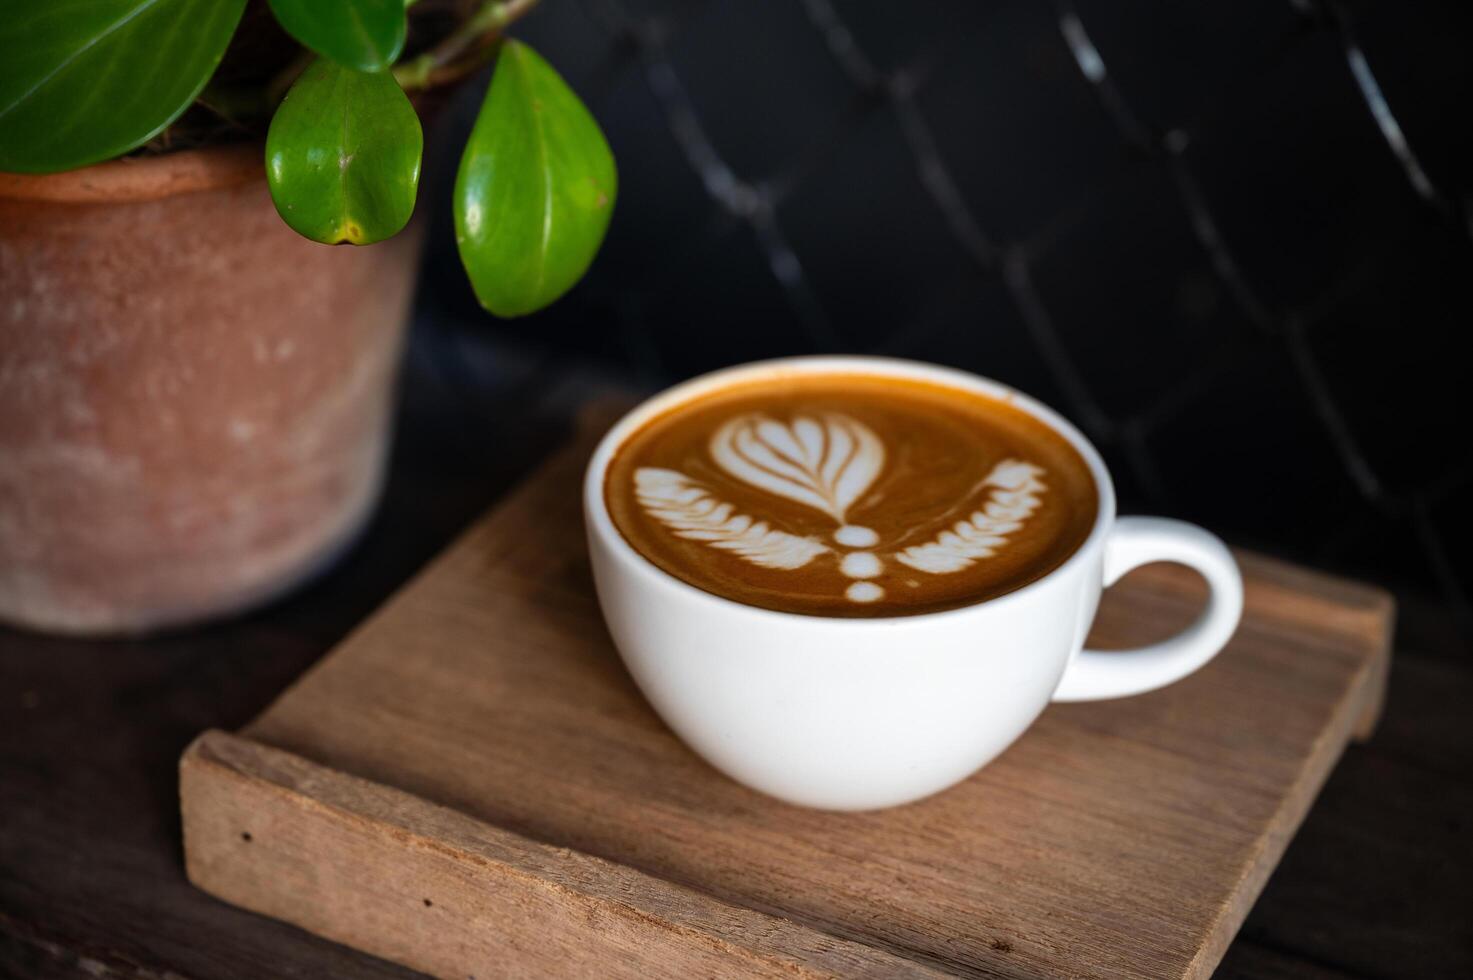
(1125, 838)
(464, 898)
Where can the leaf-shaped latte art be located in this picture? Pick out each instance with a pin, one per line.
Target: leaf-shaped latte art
(826, 462)
(1014, 499)
(691, 512)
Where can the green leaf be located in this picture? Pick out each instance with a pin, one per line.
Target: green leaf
(535, 189)
(342, 155)
(363, 34)
(86, 80)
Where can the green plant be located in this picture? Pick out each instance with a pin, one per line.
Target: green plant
(86, 80)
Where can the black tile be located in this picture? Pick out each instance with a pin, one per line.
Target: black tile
(761, 81)
(662, 203)
(646, 12)
(873, 243)
(902, 36)
(574, 43)
(1019, 128)
(1172, 61)
(1391, 354)
(719, 305)
(980, 330)
(1248, 458)
(1297, 175)
(1422, 66)
(1133, 295)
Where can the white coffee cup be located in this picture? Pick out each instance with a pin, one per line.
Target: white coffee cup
(861, 713)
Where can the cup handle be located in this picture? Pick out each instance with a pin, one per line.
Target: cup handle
(1135, 541)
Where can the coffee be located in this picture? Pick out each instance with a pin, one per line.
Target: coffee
(851, 495)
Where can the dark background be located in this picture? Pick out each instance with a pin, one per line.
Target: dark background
(1229, 239)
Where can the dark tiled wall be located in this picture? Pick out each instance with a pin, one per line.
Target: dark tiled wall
(1230, 239)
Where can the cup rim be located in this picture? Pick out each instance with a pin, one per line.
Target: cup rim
(601, 522)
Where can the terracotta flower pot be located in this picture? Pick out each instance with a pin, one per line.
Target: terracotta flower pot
(194, 401)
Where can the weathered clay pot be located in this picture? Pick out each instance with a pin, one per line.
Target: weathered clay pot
(194, 401)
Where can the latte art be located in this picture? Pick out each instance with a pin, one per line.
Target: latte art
(980, 535)
(826, 464)
(691, 512)
(838, 495)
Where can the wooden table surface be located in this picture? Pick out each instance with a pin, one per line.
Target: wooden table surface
(1378, 883)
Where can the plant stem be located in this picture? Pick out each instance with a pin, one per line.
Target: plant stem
(461, 52)
(465, 49)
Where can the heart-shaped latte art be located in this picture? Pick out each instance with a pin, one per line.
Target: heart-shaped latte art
(826, 462)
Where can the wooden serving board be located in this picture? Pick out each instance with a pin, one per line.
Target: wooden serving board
(471, 785)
